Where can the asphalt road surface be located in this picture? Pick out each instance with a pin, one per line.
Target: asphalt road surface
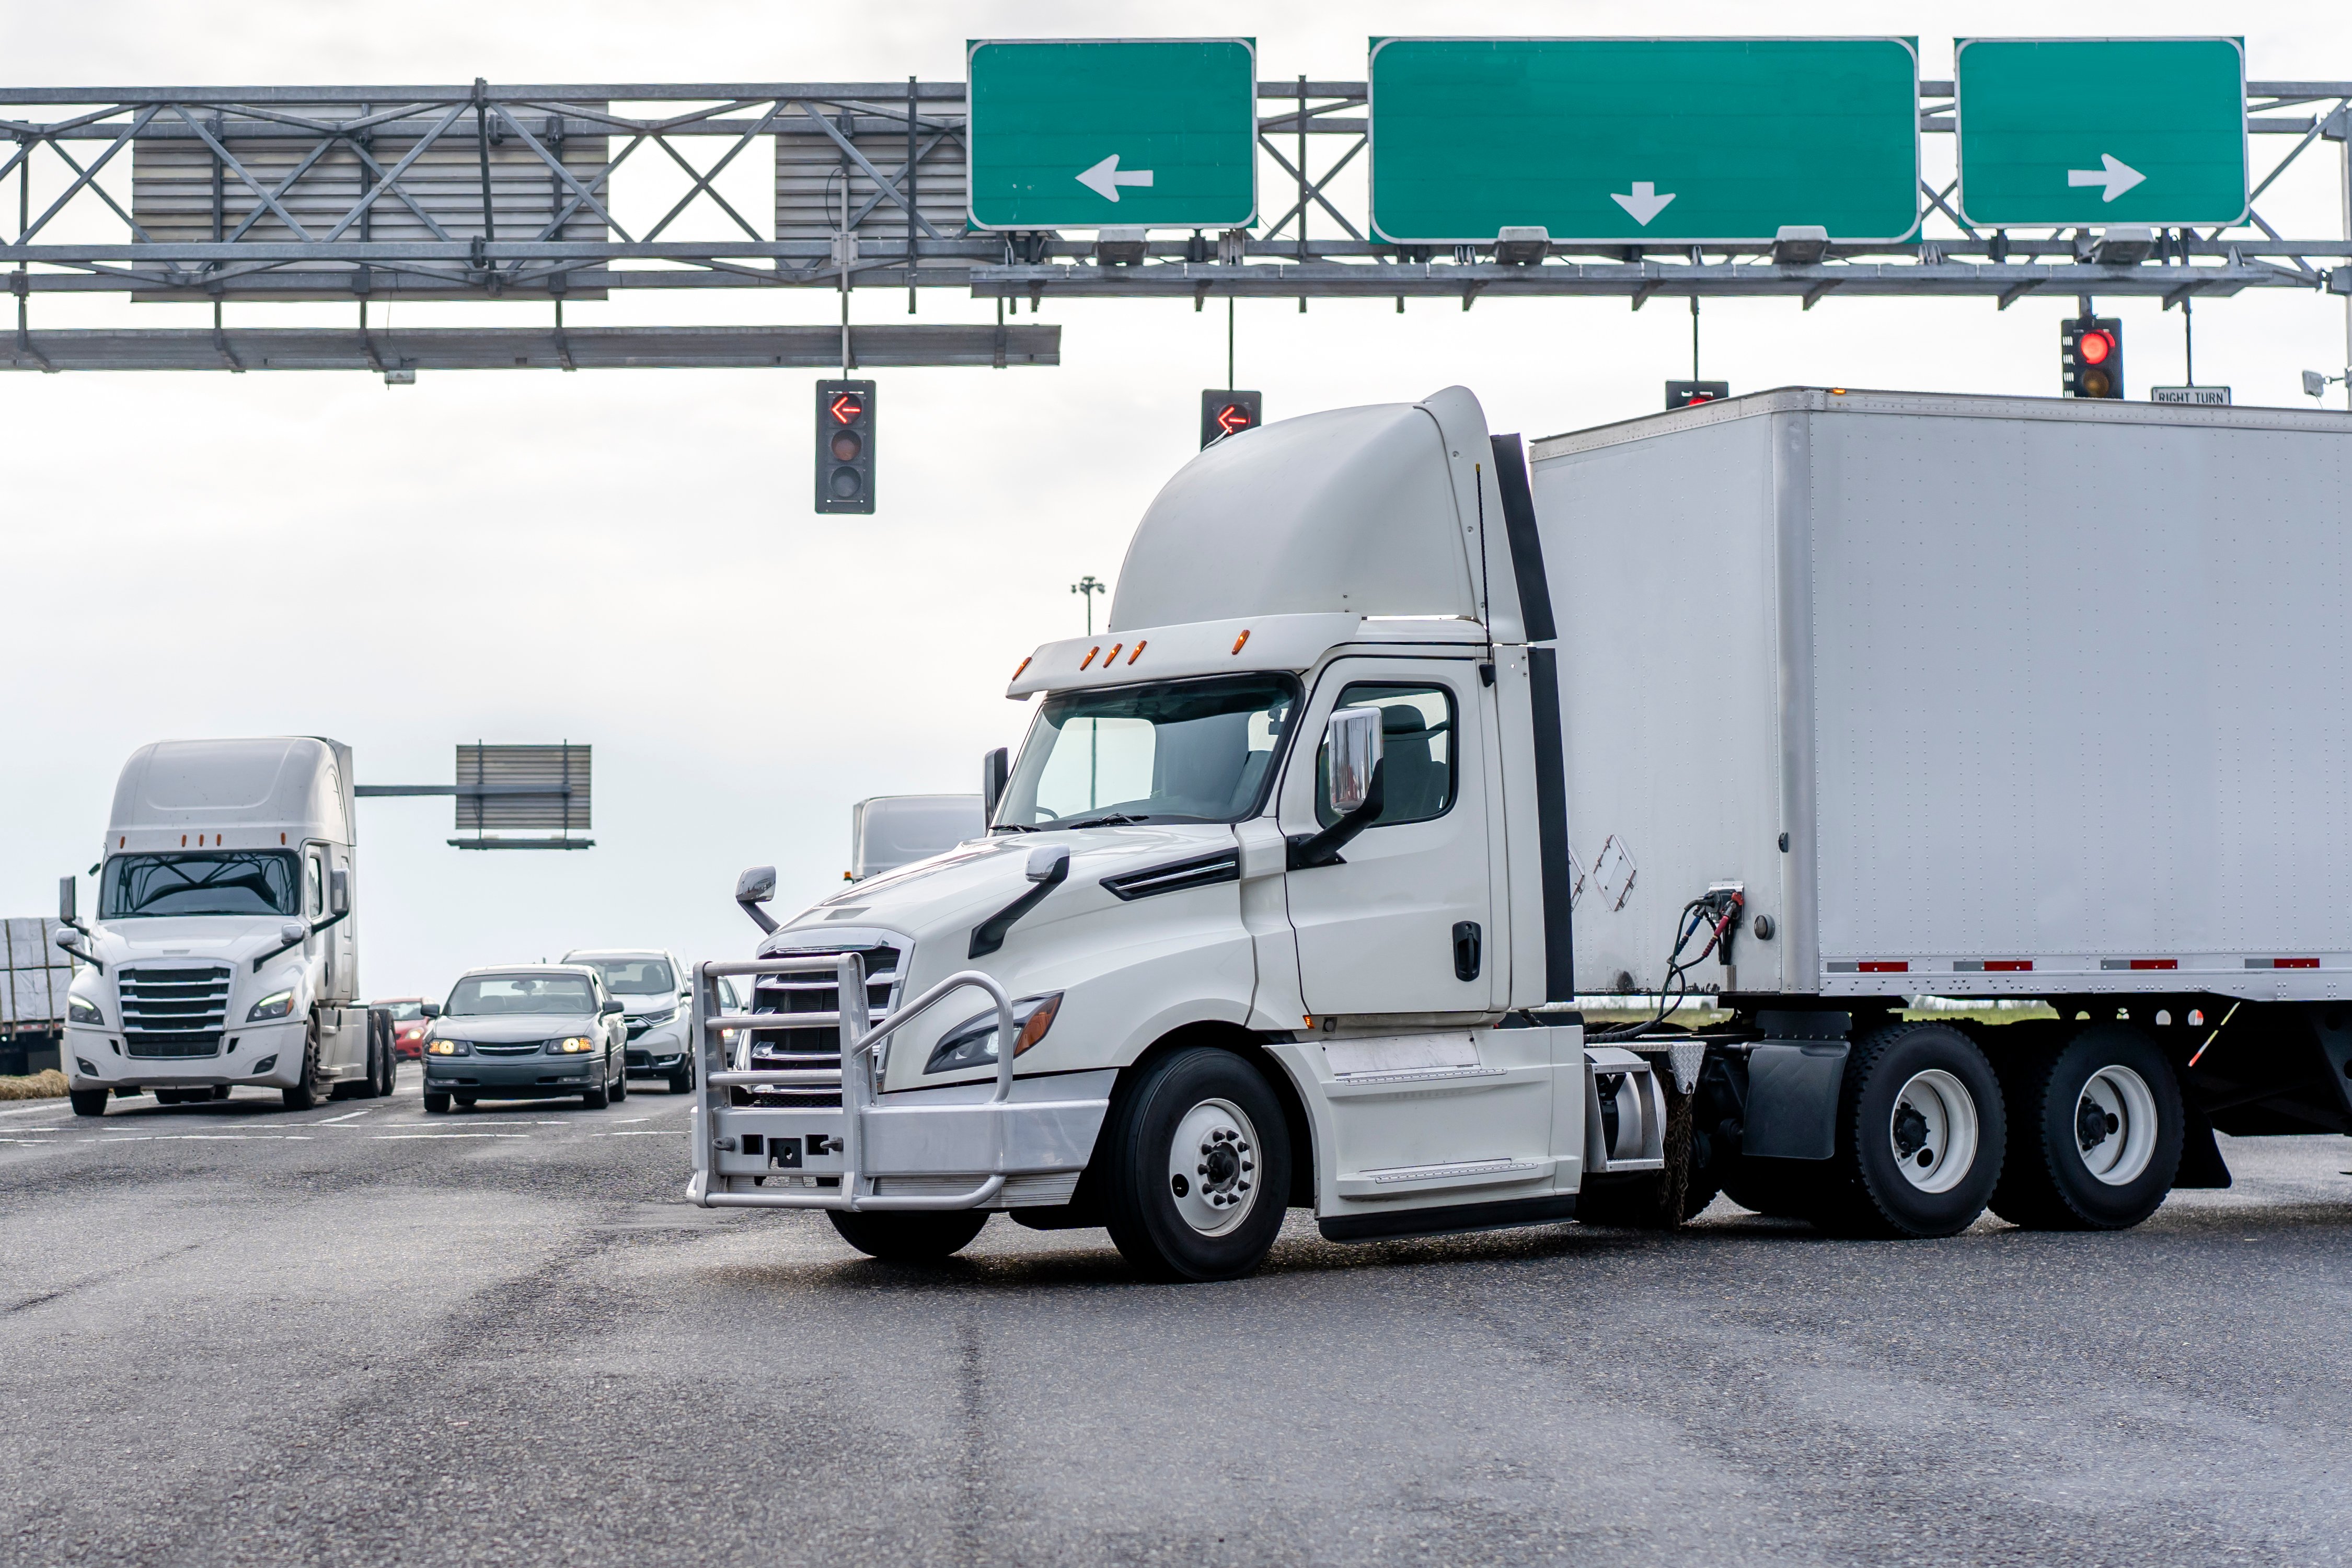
(362, 1335)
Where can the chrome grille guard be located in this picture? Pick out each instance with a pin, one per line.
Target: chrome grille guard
(712, 1188)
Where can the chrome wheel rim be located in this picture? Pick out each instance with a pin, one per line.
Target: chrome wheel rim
(2115, 1125)
(1213, 1167)
(1933, 1130)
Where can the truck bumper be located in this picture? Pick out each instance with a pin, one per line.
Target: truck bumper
(938, 1149)
(263, 1054)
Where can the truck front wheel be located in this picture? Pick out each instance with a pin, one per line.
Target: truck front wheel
(88, 1102)
(1197, 1167)
(910, 1237)
(313, 1086)
(2095, 1134)
(1922, 1138)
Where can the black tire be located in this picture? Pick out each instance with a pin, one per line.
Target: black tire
(436, 1102)
(598, 1097)
(220, 1091)
(621, 1083)
(2111, 1072)
(88, 1102)
(682, 1080)
(311, 1087)
(465, 1102)
(1144, 1211)
(1651, 1200)
(1895, 1175)
(909, 1236)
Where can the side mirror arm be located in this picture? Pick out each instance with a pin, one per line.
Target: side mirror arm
(316, 928)
(1311, 849)
(1049, 869)
(753, 888)
(66, 943)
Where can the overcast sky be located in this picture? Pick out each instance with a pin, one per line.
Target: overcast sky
(627, 557)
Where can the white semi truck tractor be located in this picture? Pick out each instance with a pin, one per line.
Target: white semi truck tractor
(225, 949)
(1402, 737)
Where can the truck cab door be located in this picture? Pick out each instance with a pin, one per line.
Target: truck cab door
(314, 910)
(1406, 925)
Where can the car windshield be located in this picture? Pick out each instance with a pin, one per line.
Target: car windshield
(1194, 751)
(223, 882)
(635, 976)
(496, 995)
(403, 1012)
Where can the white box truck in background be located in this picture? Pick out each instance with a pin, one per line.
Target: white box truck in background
(225, 946)
(1812, 700)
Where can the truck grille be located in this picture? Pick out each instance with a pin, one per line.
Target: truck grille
(815, 1047)
(173, 1012)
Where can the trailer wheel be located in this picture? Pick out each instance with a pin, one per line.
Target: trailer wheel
(1196, 1169)
(1922, 1138)
(311, 1087)
(2097, 1128)
(910, 1237)
(88, 1102)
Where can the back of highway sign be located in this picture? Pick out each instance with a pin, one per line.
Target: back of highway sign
(1670, 141)
(2101, 130)
(1113, 133)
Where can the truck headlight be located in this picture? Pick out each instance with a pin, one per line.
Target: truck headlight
(572, 1045)
(973, 1043)
(276, 1005)
(80, 1012)
(447, 1049)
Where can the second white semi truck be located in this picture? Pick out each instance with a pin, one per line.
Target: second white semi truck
(225, 946)
(1401, 737)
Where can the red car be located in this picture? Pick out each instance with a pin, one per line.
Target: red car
(410, 1015)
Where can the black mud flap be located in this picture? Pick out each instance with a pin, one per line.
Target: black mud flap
(2202, 1164)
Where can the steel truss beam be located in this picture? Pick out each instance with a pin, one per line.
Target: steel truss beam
(297, 235)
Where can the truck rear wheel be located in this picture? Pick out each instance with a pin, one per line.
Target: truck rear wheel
(2096, 1133)
(88, 1102)
(1922, 1137)
(1196, 1167)
(910, 1237)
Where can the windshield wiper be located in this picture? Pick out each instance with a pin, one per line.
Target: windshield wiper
(1012, 828)
(1108, 819)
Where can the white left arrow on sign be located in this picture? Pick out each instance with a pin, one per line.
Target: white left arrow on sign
(2113, 172)
(1106, 177)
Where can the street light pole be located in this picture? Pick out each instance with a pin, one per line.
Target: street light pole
(1088, 586)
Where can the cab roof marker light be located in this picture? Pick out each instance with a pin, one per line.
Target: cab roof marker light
(1240, 640)
(1114, 648)
(1139, 651)
(1016, 675)
(1090, 655)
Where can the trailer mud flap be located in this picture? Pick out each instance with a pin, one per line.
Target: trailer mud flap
(1792, 1099)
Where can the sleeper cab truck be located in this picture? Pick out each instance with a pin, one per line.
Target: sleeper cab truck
(1402, 737)
(224, 947)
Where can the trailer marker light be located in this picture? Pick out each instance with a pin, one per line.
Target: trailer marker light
(1114, 648)
(2139, 963)
(2282, 963)
(1885, 966)
(281, 838)
(1090, 655)
(1992, 965)
(1139, 652)
(1016, 675)
(1240, 640)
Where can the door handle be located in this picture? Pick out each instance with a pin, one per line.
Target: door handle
(1467, 945)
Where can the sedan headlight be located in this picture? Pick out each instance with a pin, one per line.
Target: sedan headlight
(447, 1049)
(276, 1005)
(572, 1045)
(973, 1043)
(80, 1012)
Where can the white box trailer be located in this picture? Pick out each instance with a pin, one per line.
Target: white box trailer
(1993, 697)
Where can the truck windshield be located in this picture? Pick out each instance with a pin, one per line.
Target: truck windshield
(635, 976)
(1193, 751)
(225, 882)
(492, 995)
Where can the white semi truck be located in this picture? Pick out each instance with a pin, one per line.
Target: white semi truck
(225, 947)
(1398, 742)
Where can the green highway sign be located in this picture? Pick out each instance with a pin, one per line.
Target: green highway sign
(2101, 130)
(1672, 140)
(1113, 133)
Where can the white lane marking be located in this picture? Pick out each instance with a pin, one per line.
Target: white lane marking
(647, 1132)
(206, 1138)
(625, 1121)
(410, 1137)
(347, 1116)
(29, 1142)
(53, 1106)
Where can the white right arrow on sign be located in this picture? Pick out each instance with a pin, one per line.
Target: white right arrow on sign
(2115, 174)
(1642, 202)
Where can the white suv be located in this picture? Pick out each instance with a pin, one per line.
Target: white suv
(653, 990)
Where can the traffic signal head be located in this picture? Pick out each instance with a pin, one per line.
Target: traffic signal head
(2091, 357)
(845, 445)
(1224, 414)
(1682, 393)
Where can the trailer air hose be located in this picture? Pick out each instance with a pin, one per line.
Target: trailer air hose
(1719, 911)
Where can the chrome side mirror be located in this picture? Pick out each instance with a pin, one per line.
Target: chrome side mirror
(1352, 743)
(292, 931)
(753, 888)
(66, 886)
(1049, 865)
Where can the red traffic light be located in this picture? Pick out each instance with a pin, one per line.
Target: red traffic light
(846, 408)
(2094, 347)
(1233, 416)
